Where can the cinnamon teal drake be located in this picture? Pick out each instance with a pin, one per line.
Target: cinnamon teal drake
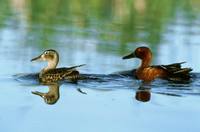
(52, 74)
(147, 72)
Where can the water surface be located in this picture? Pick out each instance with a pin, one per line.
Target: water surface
(98, 33)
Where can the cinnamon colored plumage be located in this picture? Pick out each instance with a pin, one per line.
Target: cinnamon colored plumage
(149, 72)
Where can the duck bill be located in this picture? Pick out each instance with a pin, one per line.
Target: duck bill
(38, 93)
(132, 55)
(37, 58)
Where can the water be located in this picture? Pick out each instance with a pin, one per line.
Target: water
(98, 33)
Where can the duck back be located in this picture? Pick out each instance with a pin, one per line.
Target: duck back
(58, 74)
(175, 72)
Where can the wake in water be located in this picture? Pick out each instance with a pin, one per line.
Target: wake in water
(118, 81)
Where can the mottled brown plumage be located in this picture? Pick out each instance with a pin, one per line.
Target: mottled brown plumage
(51, 74)
(54, 75)
(148, 73)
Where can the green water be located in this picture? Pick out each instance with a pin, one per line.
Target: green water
(98, 33)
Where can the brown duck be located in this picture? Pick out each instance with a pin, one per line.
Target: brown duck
(147, 72)
(52, 74)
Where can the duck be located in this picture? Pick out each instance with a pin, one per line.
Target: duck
(148, 72)
(51, 74)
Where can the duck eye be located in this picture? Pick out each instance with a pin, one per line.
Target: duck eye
(46, 52)
(139, 50)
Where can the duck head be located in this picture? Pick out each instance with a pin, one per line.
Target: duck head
(140, 52)
(47, 55)
(51, 56)
(143, 53)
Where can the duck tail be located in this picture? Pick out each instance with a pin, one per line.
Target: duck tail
(177, 73)
(173, 67)
(183, 71)
(73, 76)
(74, 67)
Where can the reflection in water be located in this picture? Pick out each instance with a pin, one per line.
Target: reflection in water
(103, 82)
(52, 96)
(143, 94)
(126, 22)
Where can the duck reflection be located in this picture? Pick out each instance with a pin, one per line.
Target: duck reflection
(143, 94)
(52, 96)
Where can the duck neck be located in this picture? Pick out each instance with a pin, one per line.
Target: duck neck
(51, 65)
(54, 89)
(146, 61)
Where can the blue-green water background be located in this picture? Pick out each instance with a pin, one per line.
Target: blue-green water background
(98, 33)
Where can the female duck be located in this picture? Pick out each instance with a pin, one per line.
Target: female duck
(146, 72)
(52, 74)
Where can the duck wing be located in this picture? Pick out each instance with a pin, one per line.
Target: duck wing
(68, 73)
(74, 67)
(176, 72)
(64, 71)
